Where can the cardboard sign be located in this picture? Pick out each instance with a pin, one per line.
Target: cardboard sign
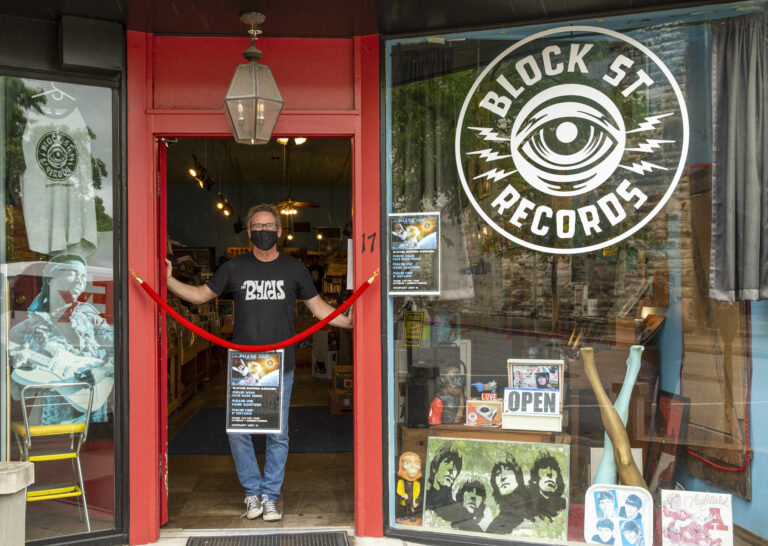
(484, 413)
(414, 328)
(254, 392)
(414, 253)
(531, 402)
(689, 515)
(618, 514)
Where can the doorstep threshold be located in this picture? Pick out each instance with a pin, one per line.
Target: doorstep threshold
(186, 533)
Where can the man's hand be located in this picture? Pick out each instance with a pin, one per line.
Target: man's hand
(193, 294)
(19, 356)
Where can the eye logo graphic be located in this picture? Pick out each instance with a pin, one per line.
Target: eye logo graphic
(572, 139)
(57, 155)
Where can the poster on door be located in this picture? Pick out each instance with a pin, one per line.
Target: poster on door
(414, 253)
(254, 392)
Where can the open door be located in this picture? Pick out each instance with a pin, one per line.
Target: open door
(162, 221)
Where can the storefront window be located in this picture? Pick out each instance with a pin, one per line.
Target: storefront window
(56, 267)
(551, 241)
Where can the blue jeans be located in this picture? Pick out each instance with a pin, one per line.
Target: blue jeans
(241, 446)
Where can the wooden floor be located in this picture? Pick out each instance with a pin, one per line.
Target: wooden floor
(318, 490)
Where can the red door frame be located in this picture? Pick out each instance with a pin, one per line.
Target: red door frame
(146, 368)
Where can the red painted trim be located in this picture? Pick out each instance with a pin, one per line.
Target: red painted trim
(162, 252)
(195, 72)
(145, 224)
(144, 401)
(213, 123)
(366, 211)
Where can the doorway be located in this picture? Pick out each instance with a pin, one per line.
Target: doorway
(210, 184)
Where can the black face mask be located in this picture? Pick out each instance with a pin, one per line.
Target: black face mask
(264, 239)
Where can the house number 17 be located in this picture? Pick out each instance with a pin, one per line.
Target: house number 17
(372, 238)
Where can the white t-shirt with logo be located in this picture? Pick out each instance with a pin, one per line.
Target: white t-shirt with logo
(57, 186)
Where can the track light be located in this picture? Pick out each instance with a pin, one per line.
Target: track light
(289, 236)
(221, 202)
(298, 141)
(200, 174)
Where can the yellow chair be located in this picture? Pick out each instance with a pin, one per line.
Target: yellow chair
(59, 441)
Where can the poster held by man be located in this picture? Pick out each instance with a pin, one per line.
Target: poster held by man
(254, 392)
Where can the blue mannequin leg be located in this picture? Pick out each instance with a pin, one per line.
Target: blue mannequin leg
(606, 471)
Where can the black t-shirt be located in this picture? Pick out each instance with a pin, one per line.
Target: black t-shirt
(265, 296)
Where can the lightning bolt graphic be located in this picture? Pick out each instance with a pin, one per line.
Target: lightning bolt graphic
(649, 145)
(489, 134)
(641, 168)
(495, 175)
(488, 155)
(649, 123)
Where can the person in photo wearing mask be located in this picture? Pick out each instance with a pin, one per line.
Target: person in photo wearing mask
(265, 284)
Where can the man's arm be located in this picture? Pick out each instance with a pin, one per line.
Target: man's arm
(321, 309)
(192, 294)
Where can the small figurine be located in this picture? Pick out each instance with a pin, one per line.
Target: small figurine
(409, 488)
(485, 387)
(447, 406)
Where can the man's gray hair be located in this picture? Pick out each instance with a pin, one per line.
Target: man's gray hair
(263, 207)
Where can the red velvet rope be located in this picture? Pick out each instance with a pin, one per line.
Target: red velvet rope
(255, 348)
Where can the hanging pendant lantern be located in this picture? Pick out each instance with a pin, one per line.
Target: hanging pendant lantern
(253, 102)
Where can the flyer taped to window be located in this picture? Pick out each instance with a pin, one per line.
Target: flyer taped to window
(254, 392)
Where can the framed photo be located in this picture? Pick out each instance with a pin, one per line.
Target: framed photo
(670, 419)
(535, 374)
(486, 487)
(254, 392)
(534, 398)
(618, 514)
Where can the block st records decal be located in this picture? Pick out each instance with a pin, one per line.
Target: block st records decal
(57, 155)
(575, 138)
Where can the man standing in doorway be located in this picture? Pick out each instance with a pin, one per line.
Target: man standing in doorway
(262, 317)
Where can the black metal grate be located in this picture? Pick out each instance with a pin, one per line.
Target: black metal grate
(334, 538)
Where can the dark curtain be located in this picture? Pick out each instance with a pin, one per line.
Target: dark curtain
(739, 252)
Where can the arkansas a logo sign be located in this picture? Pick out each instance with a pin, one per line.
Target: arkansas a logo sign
(572, 139)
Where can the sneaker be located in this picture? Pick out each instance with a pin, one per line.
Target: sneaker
(270, 509)
(253, 507)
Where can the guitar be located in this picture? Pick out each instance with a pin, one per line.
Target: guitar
(62, 367)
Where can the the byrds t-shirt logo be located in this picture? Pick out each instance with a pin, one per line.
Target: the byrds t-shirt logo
(263, 290)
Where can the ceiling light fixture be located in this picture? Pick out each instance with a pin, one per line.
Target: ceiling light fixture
(253, 101)
(200, 174)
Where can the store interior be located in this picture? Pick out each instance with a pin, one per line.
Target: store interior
(211, 183)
